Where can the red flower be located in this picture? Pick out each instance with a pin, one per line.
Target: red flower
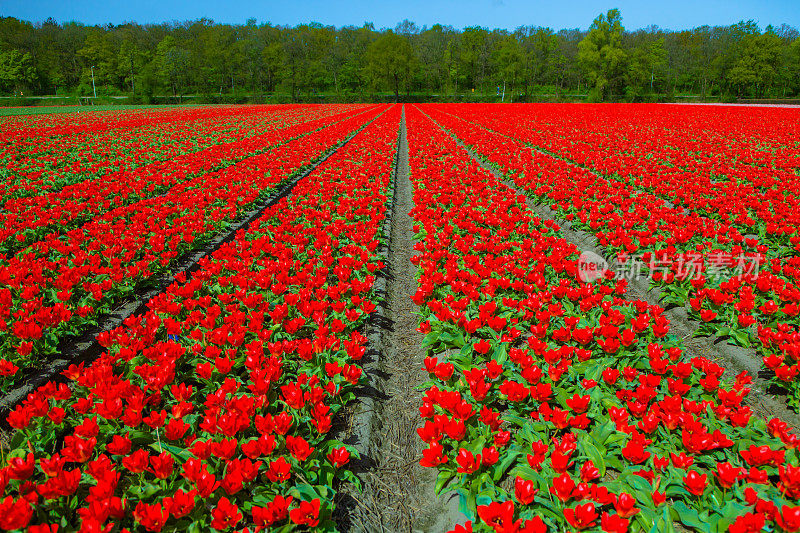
(225, 515)
(727, 474)
(524, 490)
(563, 486)
(582, 516)
(306, 514)
(77, 449)
(634, 452)
(589, 472)
(707, 315)
(534, 525)
(52, 466)
(181, 503)
(614, 523)
(758, 455)
(490, 456)
(561, 461)
(43, 528)
(681, 460)
(279, 470)
(162, 465)
(467, 462)
(695, 483)
(152, 517)
(175, 429)
(275, 511)
(119, 445)
(338, 457)
(298, 447)
(625, 505)
(499, 516)
(748, 523)
(155, 419)
(610, 375)
(7, 368)
(789, 518)
(482, 346)
(206, 483)
(433, 455)
(137, 461)
(19, 468)
(15, 514)
(579, 404)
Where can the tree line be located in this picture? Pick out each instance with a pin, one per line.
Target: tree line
(204, 58)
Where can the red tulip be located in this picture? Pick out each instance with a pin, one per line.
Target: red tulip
(225, 515)
(524, 491)
(695, 483)
(306, 514)
(581, 517)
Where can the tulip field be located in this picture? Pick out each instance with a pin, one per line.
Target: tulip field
(552, 397)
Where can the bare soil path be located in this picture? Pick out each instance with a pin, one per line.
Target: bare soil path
(398, 493)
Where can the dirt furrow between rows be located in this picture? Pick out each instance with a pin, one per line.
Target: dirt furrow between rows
(398, 493)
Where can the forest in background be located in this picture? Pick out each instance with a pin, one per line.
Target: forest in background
(223, 62)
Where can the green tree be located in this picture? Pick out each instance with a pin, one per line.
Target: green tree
(543, 56)
(757, 65)
(437, 55)
(69, 41)
(272, 58)
(793, 64)
(565, 63)
(644, 64)
(48, 69)
(130, 62)
(171, 63)
(510, 61)
(352, 72)
(16, 70)
(309, 58)
(390, 62)
(211, 52)
(601, 55)
(305, 50)
(476, 56)
(101, 51)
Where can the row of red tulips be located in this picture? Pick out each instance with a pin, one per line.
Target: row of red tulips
(213, 410)
(58, 287)
(558, 405)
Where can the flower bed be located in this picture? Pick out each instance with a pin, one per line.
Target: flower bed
(558, 405)
(27, 220)
(214, 409)
(58, 286)
(739, 286)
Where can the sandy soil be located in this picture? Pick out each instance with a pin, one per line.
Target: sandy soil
(398, 493)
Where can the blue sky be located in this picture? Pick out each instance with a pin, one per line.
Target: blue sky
(674, 14)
